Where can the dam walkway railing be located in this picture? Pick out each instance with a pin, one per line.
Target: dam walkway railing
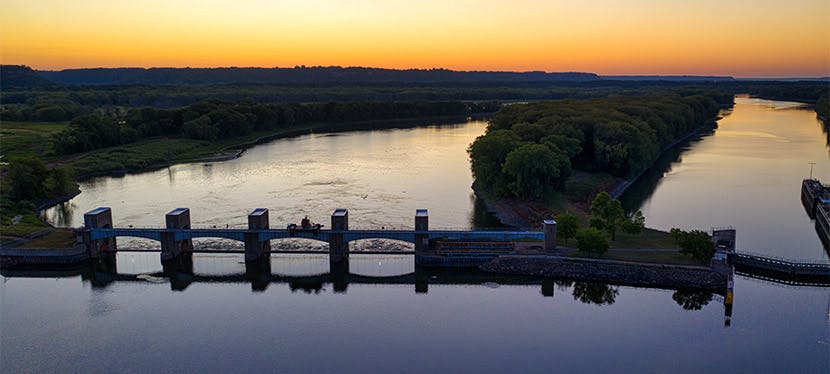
(755, 264)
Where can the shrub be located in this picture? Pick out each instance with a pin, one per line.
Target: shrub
(591, 240)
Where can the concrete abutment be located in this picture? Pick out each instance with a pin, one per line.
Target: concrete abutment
(95, 219)
(255, 248)
(172, 247)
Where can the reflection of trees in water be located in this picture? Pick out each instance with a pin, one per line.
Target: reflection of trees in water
(308, 287)
(481, 217)
(641, 190)
(692, 300)
(563, 285)
(60, 215)
(595, 293)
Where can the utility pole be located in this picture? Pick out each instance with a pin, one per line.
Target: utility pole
(811, 169)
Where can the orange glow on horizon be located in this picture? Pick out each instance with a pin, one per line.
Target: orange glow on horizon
(740, 38)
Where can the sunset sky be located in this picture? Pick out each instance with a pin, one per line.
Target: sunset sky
(758, 38)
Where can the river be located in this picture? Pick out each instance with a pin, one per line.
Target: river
(60, 322)
(747, 174)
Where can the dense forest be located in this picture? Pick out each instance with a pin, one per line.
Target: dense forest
(65, 103)
(803, 92)
(27, 95)
(530, 150)
(211, 120)
(823, 107)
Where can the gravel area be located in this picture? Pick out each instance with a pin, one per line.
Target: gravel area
(666, 276)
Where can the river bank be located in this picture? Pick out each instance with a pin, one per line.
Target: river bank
(159, 153)
(155, 154)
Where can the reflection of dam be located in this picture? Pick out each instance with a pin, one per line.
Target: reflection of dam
(296, 264)
(313, 274)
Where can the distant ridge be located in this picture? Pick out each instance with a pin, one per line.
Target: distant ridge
(21, 76)
(670, 78)
(297, 75)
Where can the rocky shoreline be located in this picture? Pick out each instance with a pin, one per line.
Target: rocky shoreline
(615, 272)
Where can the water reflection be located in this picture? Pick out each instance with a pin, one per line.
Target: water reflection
(692, 300)
(60, 215)
(327, 277)
(380, 176)
(746, 174)
(639, 192)
(595, 293)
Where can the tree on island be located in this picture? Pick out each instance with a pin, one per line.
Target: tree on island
(567, 225)
(591, 240)
(634, 224)
(26, 179)
(30, 180)
(536, 171)
(487, 156)
(608, 214)
(696, 243)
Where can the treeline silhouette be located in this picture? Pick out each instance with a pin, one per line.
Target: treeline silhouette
(823, 107)
(62, 104)
(212, 120)
(803, 92)
(530, 150)
(295, 75)
(65, 103)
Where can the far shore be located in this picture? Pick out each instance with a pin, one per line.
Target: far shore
(212, 153)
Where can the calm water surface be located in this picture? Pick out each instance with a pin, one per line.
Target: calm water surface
(465, 322)
(747, 173)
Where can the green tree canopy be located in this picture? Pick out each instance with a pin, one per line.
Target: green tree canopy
(635, 223)
(487, 157)
(566, 225)
(696, 243)
(26, 179)
(591, 240)
(607, 214)
(536, 171)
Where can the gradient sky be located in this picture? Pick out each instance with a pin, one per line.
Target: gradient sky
(758, 38)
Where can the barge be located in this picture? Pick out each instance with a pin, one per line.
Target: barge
(823, 224)
(813, 193)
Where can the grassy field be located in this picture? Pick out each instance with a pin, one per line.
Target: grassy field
(159, 152)
(28, 225)
(162, 151)
(649, 238)
(28, 138)
(58, 238)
